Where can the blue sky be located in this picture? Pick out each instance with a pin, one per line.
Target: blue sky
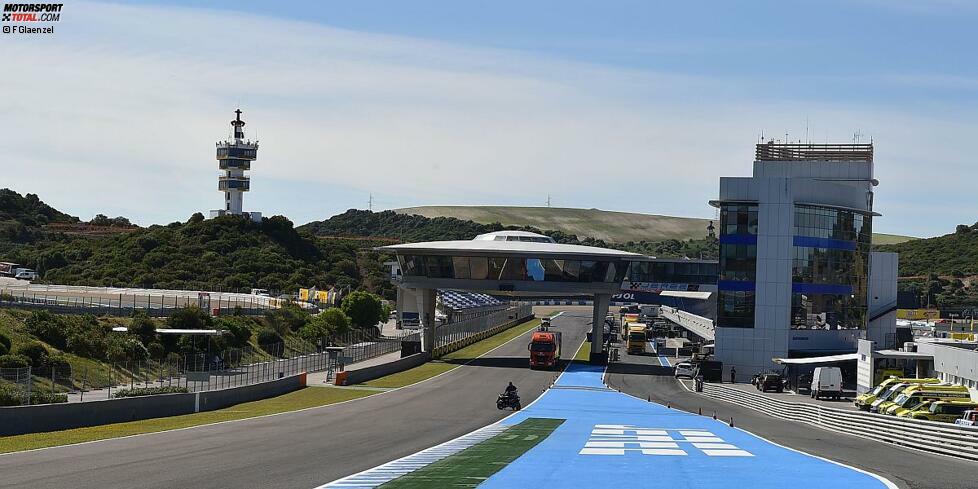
(630, 106)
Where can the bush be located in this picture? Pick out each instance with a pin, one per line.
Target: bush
(150, 391)
(4, 344)
(190, 318)
(364, 309)
(143, 328)
(10, 395)
(48, 328)
(268, 336)
(239, 328)
(287, 319)
(14, 361)
(155, 350)
(47, 398)
(59, 364)
(36, 354)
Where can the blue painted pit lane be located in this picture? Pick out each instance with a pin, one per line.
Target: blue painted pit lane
(614, 440)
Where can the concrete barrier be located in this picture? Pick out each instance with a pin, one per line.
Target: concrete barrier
(361, 375)
(19, 420)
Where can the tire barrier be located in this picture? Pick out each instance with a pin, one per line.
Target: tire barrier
(929, 436)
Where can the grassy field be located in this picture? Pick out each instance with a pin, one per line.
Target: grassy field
(474, 465)
(300, 399)
(611, 226)
(452, 360)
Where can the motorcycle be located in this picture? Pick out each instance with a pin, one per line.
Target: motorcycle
(508, 401)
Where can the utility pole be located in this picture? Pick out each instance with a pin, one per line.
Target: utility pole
(370, 203)
(548, 201)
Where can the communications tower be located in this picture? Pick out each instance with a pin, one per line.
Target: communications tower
(234, 159)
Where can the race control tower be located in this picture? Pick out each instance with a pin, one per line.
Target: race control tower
(234, 159)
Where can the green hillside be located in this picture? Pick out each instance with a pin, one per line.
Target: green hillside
(228, 253)
(608, 226)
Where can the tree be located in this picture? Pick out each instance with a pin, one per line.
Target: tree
(328, 324)
(143, 327)
(191, 317)
(36, 354)
(364, 309)
(287, 318)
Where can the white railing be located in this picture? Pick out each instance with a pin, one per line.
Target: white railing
(944, 438)
(701, 326)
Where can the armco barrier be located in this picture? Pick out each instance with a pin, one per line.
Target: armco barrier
(458, 345)
(944, 438)
(360, 375)
(18, 420)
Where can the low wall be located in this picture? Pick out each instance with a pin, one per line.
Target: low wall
(18, 420)
(360, 375)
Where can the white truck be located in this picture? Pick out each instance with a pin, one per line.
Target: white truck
(25, 274)
(827, 382)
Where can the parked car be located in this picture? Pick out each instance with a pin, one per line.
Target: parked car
(770, 382)
(805, 383)
(826, 382)
(685, 369)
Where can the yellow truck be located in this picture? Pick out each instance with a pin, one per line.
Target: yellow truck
(914, 397)
(946, 411)
(636, 339)
(865, 400)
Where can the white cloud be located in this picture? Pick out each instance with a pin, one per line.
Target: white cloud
(118, 113)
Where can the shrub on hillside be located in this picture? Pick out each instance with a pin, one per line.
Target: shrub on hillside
(286, 319)
(143, 328)
(4, 344)
(49, 328)
(239, 327)
(14, 361)
(35, 353)
(267, 339)
(190, 318)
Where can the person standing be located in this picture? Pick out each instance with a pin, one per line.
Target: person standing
(733, 374)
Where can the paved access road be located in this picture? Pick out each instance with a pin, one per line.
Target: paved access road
(302, 449)
(642, 376)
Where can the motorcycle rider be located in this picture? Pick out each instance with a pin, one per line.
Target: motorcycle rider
(511, 391)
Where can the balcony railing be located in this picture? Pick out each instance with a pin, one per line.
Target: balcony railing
(237, 152)
(813, 152)
(234, 164)
(233, 183)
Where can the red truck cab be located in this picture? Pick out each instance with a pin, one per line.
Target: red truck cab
(545, 349)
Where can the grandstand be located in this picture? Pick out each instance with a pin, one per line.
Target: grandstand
(458, 305)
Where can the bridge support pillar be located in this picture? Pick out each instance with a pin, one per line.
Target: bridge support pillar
(426, 313)
(598, 355)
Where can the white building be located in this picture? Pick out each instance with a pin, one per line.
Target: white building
(796, 275)
(234, 158)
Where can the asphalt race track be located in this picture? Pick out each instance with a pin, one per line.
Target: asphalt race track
(301, 449)
(642, 377)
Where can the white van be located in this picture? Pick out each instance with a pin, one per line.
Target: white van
(827, 381)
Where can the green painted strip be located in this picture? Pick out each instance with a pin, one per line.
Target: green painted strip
(474, 465)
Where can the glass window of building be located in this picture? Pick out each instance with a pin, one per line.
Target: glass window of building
(735, 309)
(461, 266)
(478, 268)
(830, 268)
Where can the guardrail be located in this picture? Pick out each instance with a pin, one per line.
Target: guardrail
(699, 325)
(453, 337)
(929, 436)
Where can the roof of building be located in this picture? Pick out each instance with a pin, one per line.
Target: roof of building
(514, 236)
(511, 248)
